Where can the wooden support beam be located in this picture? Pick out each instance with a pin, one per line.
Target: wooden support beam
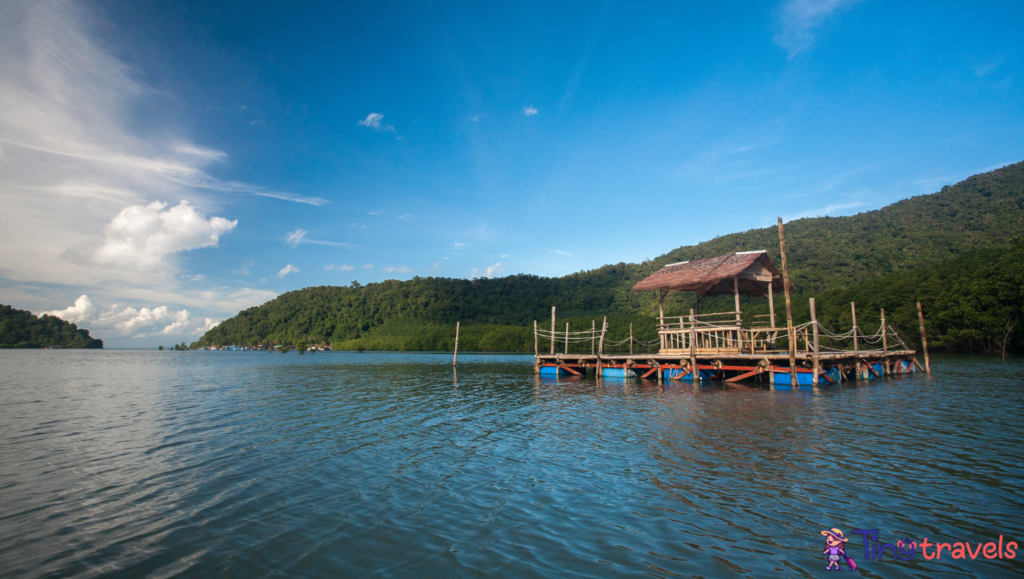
(566, 337)
(924, 341)
(631, 339)
(817, 361)
(693, 346)
(649, 372)
(536, 340)
(789, 307)
(827, 378)
(593, 335)
(600, 348)
(743, 376)
(568, 369)
(871, 368)
(771, 305)
(853, 311)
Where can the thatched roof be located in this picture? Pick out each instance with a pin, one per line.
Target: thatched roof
(713, 276)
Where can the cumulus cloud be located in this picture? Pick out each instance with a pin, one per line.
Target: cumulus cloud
(208, 324)
(801, 17)
(399, 269)
(339, 267)
(489, 271)
(373, 121)
(367, 266)
(127, 321)
(287, 270)
(142, 236)
(529, 111)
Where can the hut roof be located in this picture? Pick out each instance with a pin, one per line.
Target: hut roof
(713, 276)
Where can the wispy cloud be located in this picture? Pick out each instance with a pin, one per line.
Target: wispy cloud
(374, 212)
(339, 267)
(489, 271)
(399, 269)
(367, 266)
(832, 209)
(799, 18)
(246, 266)
(474, 118)
(988, 67)
(460, 245)
(560, 252)
(287, 270)
(529, 111)
(373, 121)
(405, 216)
(300, 236)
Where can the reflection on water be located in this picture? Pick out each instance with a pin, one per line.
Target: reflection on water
(248, 463)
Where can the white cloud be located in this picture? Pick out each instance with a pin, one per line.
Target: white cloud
(800, 17)
(474, 118)
(400, 269)
(373, 121)
(208, 324)
(141, 237)
(246, 266)
(298, 236)
(367, 266)
(529, 111)
(295, 237)
(374, 212)
(83, 310)
(560, 252)
(339, 267)
(489, 271)
(459, 245)
(128, 321)
(405, 216)
(986, 68)
(287, 270)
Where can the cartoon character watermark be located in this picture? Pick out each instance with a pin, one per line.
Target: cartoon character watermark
(835, 548)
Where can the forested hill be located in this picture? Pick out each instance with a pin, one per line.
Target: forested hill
(825, 253)
(21, 329)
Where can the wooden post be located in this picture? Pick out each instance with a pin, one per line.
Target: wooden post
(455, 360)
(593, 333)
(739, 321)
(885, 347)
(631, 339)
(789, 310)
(536, 342)
(771, 305)
(661, 319)
(693, 349)
(566, 337)
(817, 361)
(924, 340)
(552, 330)
(856, 345)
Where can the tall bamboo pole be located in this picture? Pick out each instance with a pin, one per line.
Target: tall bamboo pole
(856, 347)
(789, 309)
(593, 333)
(885, 346)
(771, 305)
(552, 330)
(566, 337)
(661, 319)
(924, 340)
(817, 361)
(536, 343)
(631, 339)
(739, 321)
(694, 372)
(455, 360)
(600, 347)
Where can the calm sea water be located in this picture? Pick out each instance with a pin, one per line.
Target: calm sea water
(128, 463)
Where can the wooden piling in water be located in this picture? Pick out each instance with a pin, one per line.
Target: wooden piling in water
(600, 348)
(885, 347)
(566, 337)
(536, 347)
(856, 355)
(924, 340)
(693, 348)
(817, 361)
(552, 330)
(789, 310)
(593, 334)
(631, 339)
(455, 360)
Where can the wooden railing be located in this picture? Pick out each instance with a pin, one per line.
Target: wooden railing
(710, 334)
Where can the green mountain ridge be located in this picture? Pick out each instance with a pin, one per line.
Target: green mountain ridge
(826, 254)
(22, 329)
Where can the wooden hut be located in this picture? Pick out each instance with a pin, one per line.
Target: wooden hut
(747, 273)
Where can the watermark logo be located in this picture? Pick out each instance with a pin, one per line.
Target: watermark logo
(835, 550)
(876, 549)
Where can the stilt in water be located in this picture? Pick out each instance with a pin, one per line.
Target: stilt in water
(924, 340)
(455, 360)
(789, 310)
(817, 362)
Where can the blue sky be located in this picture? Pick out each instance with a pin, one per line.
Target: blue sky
(175, 162)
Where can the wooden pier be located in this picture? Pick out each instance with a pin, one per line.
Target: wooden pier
(721, 346)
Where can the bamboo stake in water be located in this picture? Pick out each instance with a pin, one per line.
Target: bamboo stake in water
(789, 310)
(694, 372)
(566, 337)
(631, 339)
(817, 362)
(885, 346)
(552, 330)
(924, 340)
(455, 360)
